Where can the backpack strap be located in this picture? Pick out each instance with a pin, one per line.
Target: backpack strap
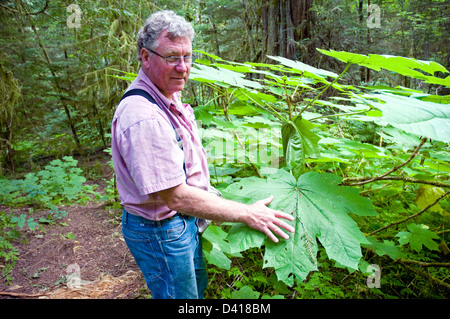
(147, 95)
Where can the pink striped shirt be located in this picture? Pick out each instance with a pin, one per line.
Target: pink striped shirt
(146, 154)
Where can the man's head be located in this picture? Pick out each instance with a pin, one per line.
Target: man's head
(165, 35)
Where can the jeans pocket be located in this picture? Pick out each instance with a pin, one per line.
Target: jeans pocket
(175, 232)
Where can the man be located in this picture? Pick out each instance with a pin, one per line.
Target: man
(163, 182)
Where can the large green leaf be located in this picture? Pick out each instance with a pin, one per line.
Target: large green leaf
(321, 208)
(214, 247)
(419, 69)
(305, 69)
(414, 116)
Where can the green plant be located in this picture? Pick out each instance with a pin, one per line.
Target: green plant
(22, 220)
(9, 231)
(317, 163)
(59, 182)
(53, 216)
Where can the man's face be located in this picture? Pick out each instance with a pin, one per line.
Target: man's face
(168, 78)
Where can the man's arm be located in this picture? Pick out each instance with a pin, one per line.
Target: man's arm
(196, 202)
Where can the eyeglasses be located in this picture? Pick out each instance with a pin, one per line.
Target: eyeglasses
(175, 60)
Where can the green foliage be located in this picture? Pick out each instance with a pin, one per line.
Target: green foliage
(418, 236)
(60, 182)
(22, 220)
(53, 216)
(405, 66)
(9, 232)
(317, 161)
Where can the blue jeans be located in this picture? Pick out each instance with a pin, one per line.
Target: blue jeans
(169, 254)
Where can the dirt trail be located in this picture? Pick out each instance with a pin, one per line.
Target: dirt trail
(88, 248)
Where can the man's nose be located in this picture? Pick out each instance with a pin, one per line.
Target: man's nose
(181, 66)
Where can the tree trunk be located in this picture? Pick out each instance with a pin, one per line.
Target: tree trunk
(290, 45)
(272, 43)
(282, 41)
(265, 30)
(285, 24)
(216, 36)
(101, 131)
(8, 139)
(9, 96)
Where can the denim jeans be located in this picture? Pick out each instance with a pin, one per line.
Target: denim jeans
(169, 254)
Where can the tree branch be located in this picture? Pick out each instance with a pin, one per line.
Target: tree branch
(19, 295)
(395, 168)
(424, 274)
(410, 217)
(424, 264)
(396, 178)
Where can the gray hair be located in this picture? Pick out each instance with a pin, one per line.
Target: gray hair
(175, 25)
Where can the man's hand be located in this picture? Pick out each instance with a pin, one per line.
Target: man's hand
(267, 220)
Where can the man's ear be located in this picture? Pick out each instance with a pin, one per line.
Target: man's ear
(145, 54)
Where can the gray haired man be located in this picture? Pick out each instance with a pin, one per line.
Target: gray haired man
(162, 172)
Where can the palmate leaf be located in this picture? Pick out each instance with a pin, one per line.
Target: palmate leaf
(418, 236)
(321, 208)
(387, 247)
(305, 69)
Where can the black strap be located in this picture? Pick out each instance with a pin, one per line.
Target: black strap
(150, 98)
(141, 93)
(147, 95)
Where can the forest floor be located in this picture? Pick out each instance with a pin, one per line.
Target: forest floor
(82, 255)
(96, 252)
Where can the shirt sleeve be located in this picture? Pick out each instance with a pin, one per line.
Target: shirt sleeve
(152, 155)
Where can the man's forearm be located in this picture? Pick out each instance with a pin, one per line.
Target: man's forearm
(196, 202)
